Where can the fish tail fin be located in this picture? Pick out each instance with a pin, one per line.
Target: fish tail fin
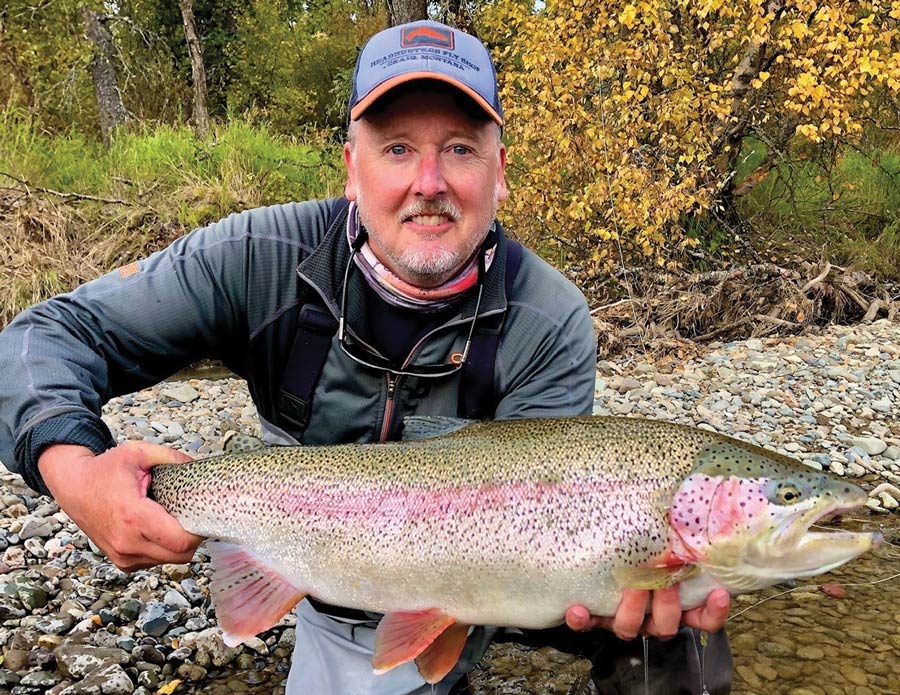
(402, 636)
(249, 596)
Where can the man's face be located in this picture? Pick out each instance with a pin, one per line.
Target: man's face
(427, 179)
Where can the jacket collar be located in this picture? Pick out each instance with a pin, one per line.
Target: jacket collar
(324, 269)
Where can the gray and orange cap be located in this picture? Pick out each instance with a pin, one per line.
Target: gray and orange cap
(424, 50)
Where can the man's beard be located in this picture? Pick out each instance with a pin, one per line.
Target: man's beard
(428, 265)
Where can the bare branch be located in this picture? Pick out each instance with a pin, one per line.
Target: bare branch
(65, 196)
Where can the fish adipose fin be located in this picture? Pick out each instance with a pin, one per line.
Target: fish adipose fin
(249, 596)
(402, 636)
(653, 577)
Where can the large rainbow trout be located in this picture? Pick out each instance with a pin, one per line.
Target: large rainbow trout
(501, 523)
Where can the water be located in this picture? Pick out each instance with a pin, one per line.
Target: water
(809, 643)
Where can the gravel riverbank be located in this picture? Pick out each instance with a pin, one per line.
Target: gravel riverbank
(71, 623)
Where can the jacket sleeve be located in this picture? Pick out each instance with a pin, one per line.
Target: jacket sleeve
(61, 360)
(548, 356)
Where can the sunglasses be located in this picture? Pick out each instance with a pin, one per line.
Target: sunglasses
(363, 355)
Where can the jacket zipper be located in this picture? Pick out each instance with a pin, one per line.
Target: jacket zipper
(388, 406)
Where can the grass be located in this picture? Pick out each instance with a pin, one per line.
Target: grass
(167, 179)
(845, 209)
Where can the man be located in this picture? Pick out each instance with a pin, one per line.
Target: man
(343, 318)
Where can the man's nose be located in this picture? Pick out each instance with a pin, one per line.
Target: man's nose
(430, 181)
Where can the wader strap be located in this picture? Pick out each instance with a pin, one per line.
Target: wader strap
(315, 329)
(477, 399)
(304, 367)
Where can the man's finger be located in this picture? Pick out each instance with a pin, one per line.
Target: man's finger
(578, 618)
(713, 615)
(155, 454)
(665, 613)
(630, 614)
(164, 531)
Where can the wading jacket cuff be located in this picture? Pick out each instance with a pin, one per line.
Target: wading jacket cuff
(69, 428)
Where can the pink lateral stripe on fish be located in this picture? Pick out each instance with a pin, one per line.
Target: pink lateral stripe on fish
(502, 523)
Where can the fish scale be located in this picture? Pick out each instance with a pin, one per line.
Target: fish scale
(505, 522)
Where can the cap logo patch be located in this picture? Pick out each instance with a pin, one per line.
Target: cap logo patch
(411, 37)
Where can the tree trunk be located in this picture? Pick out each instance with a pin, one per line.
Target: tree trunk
(198, 70)
(403, 11)
(106, 87)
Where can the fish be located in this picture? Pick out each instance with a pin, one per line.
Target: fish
(501, 523)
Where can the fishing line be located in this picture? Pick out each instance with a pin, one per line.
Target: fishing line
(646, 664)
(701, 661)
(810, 587)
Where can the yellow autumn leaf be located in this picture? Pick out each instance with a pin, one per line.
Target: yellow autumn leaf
(169, 687)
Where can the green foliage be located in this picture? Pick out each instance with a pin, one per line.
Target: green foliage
(167, 179)
(45, 58)
(844, 200)
(246, 165)
(292, 62)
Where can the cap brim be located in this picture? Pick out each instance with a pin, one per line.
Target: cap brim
(357, 111)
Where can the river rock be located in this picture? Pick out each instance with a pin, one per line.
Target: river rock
(78, 660)
(182, 392)
(40, 679)
(211, 648)
(871, 445)
(106, 680)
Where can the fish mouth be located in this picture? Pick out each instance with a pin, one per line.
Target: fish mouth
(796, 551)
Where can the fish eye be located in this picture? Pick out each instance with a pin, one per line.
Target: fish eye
(788, 494)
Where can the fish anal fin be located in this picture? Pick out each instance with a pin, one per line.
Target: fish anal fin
(653, 577)
(249, 596)
(402, 635)
(441, 656)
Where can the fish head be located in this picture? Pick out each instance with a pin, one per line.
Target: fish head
(744, 514)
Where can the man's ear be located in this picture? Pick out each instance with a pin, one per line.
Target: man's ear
(350, 185)
(501, 174)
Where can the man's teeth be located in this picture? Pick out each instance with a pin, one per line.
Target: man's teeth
(429, 220)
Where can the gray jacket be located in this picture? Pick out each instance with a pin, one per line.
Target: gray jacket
(233, 291)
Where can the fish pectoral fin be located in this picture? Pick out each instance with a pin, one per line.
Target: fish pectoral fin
(441, 656)
(249, 596)
(653, 577)
(402, 635)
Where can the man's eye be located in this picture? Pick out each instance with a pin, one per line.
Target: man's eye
(398, 149)
(461, 149)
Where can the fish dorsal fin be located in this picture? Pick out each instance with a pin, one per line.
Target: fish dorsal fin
(249, 596)
(653, 577)
(426, 426)
(441, 656)
(402, 635)
(239, 443)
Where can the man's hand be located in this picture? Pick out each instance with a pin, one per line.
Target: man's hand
(663, 620)
(106, 496)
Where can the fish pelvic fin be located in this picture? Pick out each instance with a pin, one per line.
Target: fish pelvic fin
(402, 636)
(441, 656)
(653, 577)
(249, 596)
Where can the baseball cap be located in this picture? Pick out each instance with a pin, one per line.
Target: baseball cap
(424, 50)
